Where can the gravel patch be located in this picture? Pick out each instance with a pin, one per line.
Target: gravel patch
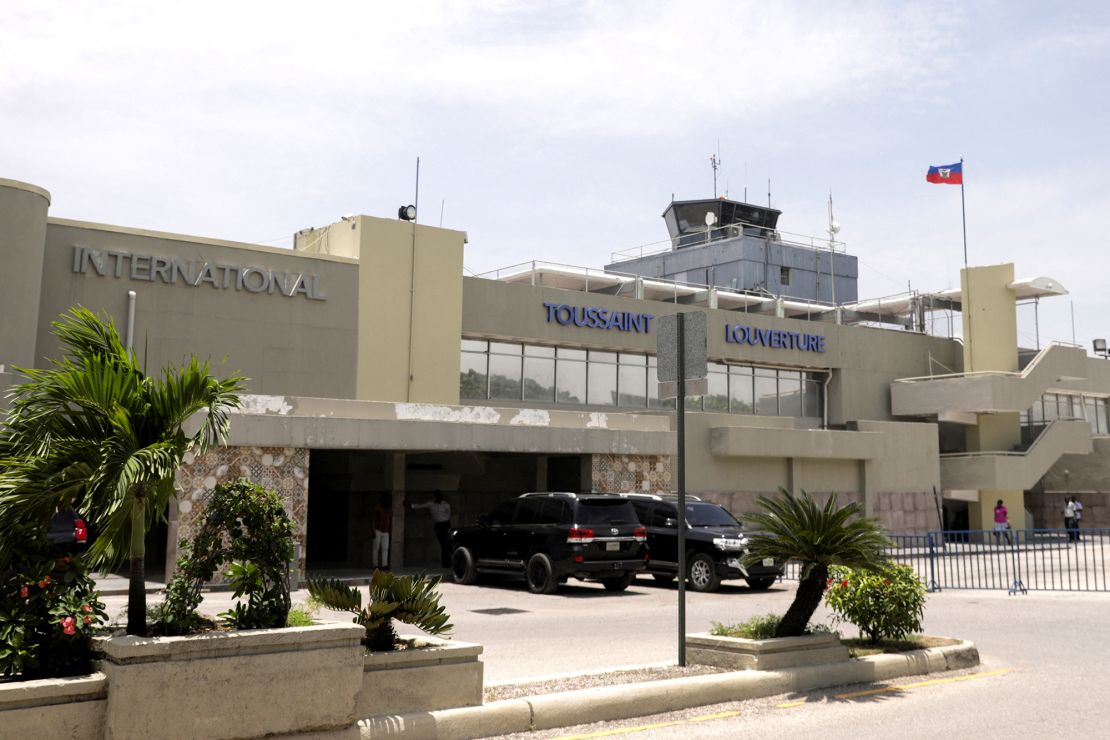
(589, 681)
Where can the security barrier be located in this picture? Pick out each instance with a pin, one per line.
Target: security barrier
(1017, 560)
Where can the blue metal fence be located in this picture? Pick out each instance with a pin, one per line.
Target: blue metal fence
(1017, 560)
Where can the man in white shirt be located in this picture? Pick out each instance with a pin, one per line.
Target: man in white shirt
(441, 522)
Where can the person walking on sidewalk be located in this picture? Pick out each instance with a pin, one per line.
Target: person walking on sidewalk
(1069, 518)
(1001, 523)
(441, 522)
(1078, 517)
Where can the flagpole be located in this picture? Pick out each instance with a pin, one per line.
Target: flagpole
(966, 298)
(963, 209)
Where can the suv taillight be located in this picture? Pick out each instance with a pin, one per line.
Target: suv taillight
(80, 531)
(580, 535)
(640, 534)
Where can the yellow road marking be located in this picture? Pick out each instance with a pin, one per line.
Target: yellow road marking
(919, 684)
(642, 728)
(903, 687)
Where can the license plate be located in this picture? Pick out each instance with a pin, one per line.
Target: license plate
(612, 545)
(769, 562)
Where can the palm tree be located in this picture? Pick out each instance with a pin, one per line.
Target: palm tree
(796, 528)
(95, 432)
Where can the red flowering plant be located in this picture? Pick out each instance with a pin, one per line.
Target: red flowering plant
(49, 608)
(884, 605)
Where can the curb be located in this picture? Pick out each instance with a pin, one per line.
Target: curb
(584, 706)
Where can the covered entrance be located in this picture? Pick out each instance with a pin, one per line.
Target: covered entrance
(346, 485)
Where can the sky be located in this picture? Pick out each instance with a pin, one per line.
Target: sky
(559, 131)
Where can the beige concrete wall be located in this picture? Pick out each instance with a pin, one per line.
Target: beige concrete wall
(990, 343)
(72, 708)
(864, 361)
(283, 344)
(990, 318)
(22, 241)
(409, 322)
(240, 684)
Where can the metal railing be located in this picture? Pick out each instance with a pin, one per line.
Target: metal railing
(1018, 561)
(733, 231)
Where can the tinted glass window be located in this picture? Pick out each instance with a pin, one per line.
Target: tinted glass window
(643, 511)
(662, 513)
(709, 515)
(528, 511)
(503, 514)
(605, 511)
(554, 511)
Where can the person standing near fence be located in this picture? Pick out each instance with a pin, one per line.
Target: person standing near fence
(1078, 517)
(1069, 517)
(382, 521)
(441, 523)
(1001, 523)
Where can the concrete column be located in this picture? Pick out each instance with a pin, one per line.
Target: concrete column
(867, 488)
(990, 343)
(395, 482)
(587, 482)
(792, 474)
(23, 210)
(541, 473)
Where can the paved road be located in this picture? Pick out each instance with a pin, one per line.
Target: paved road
(1049, 650)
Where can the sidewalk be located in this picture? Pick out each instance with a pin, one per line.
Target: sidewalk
(114, 584)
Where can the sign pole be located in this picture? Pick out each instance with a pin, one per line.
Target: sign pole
(681, 474)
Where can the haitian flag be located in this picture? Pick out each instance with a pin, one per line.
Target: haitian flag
(947, 174)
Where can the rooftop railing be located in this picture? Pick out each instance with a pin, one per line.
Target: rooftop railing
(733, 231)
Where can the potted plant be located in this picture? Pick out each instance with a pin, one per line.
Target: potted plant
(406, 674)
(795, 527)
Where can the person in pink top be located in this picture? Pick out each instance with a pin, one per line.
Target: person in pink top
(1001, 522)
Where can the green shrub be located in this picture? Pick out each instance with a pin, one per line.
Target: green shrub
(410, 599)
(885, 605)
(49, 609)
(761, 627)
(756, 628)
(245, 528)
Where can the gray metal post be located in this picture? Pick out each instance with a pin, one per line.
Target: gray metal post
(681, 474)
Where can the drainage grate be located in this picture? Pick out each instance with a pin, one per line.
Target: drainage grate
(499, 611)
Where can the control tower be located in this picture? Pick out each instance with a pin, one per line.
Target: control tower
(737, 246)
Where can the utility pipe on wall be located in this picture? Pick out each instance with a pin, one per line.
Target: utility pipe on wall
(131, 299)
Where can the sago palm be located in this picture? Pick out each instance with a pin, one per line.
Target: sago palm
(96, 432)
(796, 528)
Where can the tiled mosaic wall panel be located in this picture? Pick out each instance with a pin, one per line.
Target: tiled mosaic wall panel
(284, 470)
(631, 473)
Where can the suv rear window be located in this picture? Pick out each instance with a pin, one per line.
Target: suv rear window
(606, 511)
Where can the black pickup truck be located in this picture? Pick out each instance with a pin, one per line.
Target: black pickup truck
(715, 543)
(551, 537)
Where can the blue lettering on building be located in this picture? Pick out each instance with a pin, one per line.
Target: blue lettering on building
(591, 317)
(774, 338)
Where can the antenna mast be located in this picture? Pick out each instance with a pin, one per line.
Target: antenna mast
(715, 163)
(834, 228)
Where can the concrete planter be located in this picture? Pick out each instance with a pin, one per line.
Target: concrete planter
(740, 654)
(439, 674)
(54, 707)
(243, 684)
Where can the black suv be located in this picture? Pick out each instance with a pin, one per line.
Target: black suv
(714, 543)
(550, 537)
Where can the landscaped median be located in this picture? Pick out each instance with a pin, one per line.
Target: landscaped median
(635, 700)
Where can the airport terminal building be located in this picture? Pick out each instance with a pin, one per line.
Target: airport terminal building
(378, 369)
